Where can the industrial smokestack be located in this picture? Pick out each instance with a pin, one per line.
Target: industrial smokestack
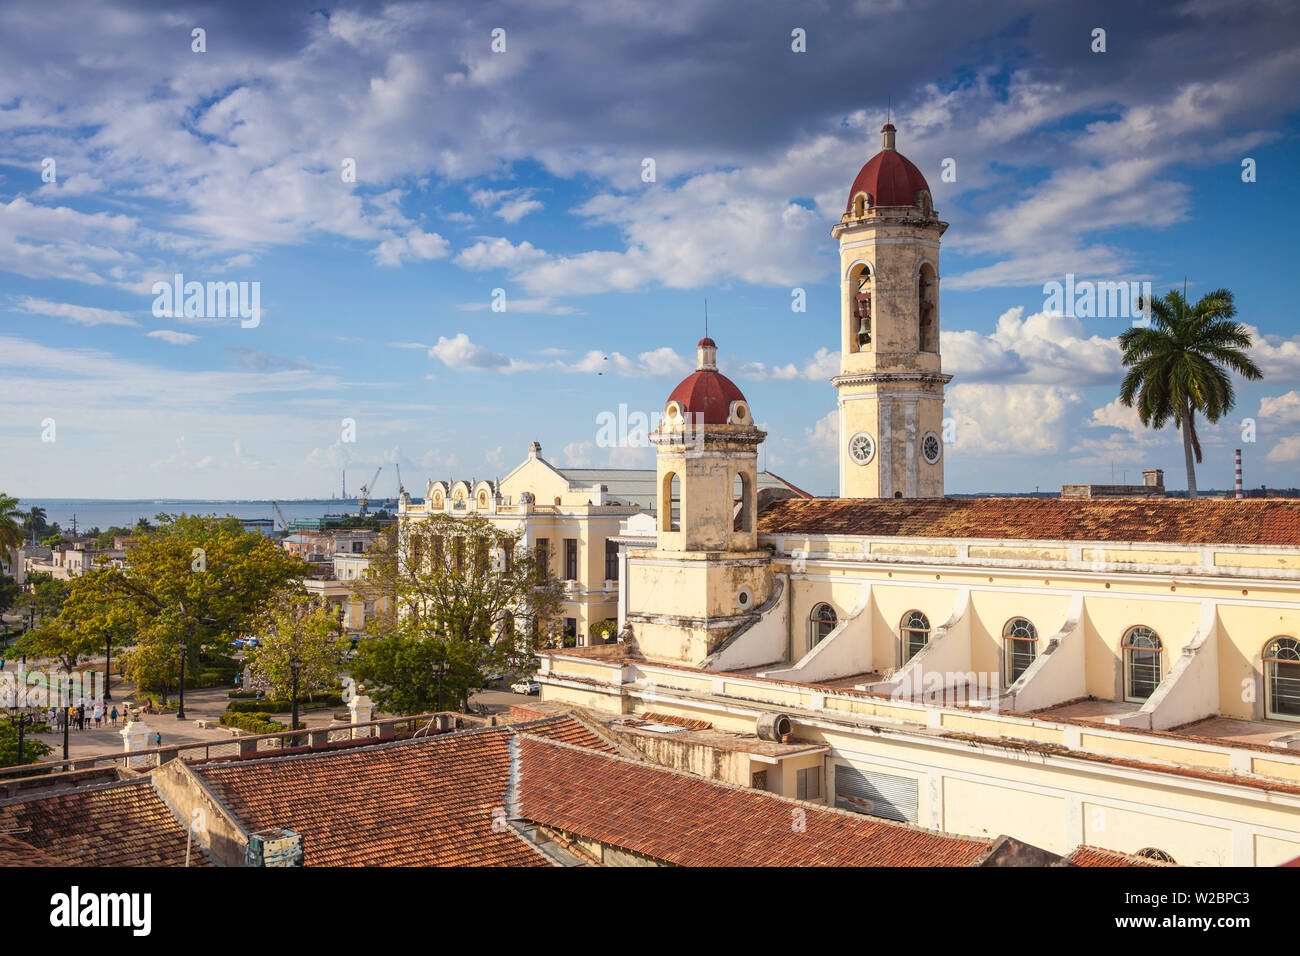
(1237, 484)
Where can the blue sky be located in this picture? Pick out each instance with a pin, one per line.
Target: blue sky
(522, 170)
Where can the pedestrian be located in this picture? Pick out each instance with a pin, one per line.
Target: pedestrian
(112, 716)
(99, 714)
(63, 719)
(81, 716)
(157, 739)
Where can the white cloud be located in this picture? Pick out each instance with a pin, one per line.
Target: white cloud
(824, 365)
(1281, 409)
(498, 253)
(1018, 419)
(416, 246)
(80, 314)
(173, 338)
(1045, 348)
(460, 352)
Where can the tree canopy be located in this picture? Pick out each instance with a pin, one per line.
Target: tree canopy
(465, 600)
(296, 627)
(1181, 363)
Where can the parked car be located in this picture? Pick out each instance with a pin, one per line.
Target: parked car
(526, 687)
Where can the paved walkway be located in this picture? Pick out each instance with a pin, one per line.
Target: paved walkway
(208, 704)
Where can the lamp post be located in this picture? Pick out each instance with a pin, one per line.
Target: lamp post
(23, 720)
(31, 626)
(293, 695)
(180, 710)
(67, 719)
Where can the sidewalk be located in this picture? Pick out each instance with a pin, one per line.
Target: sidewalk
(208, 703)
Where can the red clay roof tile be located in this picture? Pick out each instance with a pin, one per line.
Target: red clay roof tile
(1263, 521)
(686, 820)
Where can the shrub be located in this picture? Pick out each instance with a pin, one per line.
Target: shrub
(255, 723)
(274, 706)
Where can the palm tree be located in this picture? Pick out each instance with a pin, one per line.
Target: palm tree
(1179, 365)
(35, 521)
(11, 531)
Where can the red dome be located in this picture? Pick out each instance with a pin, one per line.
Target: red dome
(709, 393)
(706, 343)
(890, 179)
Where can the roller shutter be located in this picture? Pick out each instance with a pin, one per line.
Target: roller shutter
(879, 794)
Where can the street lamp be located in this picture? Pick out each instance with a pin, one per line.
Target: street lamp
(293, 701)
(31, 626)
(180, 711)
(67, 719)
(24, 720)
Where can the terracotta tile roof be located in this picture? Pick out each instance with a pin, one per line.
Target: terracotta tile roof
(691, 821)
(1095, 856)
(1262, 521)
(426, 802)
(122, 824)
(687, 722)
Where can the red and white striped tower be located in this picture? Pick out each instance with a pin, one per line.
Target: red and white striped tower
(1237, 485)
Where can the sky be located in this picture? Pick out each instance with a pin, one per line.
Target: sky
(383, 175)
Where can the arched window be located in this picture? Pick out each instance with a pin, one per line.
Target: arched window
(743, 492)
(1141, 663)
(670, 503)
(860, 327)
(927, 296)
(1282, 678)
(1020, 646)
(1155, 853)
(820, 624)
(915, 631)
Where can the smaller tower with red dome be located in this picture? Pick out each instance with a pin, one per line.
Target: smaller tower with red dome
(891, 378)
(706, 554)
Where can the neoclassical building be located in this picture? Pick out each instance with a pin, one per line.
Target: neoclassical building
(1121, 673)
(576, 517)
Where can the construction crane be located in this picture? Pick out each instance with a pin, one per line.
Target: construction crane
(366, 490)
(401, 489)
(284, 522)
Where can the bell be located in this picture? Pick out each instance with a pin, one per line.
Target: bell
(864, 329)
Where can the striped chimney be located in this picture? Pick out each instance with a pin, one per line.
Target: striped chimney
(1237, 484)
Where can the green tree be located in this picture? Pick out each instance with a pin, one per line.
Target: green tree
(296, 627)
(34, 523)
(193, 581)
(45, 596)
(1179, 365)
(10, 592)
(11, 528)
(33, 749)
(464, 600)
(89, 621)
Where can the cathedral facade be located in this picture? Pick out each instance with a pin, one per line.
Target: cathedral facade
(1117, 673)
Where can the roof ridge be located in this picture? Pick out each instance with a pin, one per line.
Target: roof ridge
(380, 745)
(143, 779)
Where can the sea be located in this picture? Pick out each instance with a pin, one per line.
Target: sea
(105, 513)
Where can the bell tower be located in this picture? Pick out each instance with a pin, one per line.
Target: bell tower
(891, 381)
(706, 575)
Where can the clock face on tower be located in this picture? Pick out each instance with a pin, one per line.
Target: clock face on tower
(931, 447)
(862, 448)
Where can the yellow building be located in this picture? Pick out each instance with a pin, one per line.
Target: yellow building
(575, 516)
(1116, 672)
